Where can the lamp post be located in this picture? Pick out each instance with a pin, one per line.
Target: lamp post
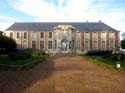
(117, 54)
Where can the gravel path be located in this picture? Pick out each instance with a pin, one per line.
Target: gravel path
(63, 74)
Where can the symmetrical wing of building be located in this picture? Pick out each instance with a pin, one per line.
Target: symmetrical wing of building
(64, 37)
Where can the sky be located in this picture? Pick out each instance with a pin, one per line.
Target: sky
(110, 12)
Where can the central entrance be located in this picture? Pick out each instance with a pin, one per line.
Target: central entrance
(64, 46)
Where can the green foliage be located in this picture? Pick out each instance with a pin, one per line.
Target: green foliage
(38, 53)
(25, 54)
(123, 44)
(7, 44)
(98, 52)
(20, 55)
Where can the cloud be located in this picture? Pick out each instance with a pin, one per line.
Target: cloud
(73, 10)
(43, 10)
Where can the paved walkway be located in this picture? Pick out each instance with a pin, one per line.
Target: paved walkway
(63, 74)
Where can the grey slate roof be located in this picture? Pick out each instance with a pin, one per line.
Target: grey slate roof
(47, 26)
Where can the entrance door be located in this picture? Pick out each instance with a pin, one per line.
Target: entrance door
(64, 46)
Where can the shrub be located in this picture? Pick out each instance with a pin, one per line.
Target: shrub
(19, 55)
(98, 52)
(38, 53)
(123, 44)
(7, 44)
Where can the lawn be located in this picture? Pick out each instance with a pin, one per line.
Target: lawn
(6, 63)
(106, 62)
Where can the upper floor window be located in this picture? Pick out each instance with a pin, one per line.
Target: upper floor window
(33, 35)
(42, 34)
(64, 33)
(78, 35)
(103, 36)
(111, 35)
(95, 36)
(18, 35)
(25, 35)
(50, 34)
(86, 35)
(11, 34)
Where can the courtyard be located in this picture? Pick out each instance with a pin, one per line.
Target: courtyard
(63, 74)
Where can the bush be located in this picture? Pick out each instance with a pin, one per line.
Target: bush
(19, 55)
(123, 44)
(26, 53)
(7, 44)
(38, 53)
(99, 52)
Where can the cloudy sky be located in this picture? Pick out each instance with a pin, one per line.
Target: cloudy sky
(110, 12)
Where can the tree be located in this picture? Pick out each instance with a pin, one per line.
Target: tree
(123, 44)
(6, 43)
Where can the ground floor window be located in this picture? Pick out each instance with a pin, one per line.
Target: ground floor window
(103, 45)
(41, 44)
(86, 45)
(33, 44)
(49, 44)
(111, 44)
(24, 44)
(55, 44)
(78, 45)
(95, 45)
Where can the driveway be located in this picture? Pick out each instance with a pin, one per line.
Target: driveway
(63, 74)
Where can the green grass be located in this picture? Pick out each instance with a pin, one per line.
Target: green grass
(6, 63)
(106, 62)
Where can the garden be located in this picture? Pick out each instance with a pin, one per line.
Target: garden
(107, 59)
(13, 58)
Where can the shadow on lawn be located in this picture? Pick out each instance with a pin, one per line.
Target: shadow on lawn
(18, 81)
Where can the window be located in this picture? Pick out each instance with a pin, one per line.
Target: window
(78, 35)
(64, 33)
(50, 34)
(17, 35)
(41, 44)
(112, 36)
(34, 35)
(55, 44)
(78, 44)
(86, 35)
(24, 44)
(103, 45)
(86, 45)
(25, 35)
(103, 36)
(111, 44)
(95, 45)
(34, 44)
(42, 34)
(50, 45)
(95, 36)
(11, 34)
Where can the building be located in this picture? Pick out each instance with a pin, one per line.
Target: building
(64, 37)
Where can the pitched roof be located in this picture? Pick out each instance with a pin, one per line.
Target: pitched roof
(47, 26)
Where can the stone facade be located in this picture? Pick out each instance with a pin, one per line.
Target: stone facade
(65, 39)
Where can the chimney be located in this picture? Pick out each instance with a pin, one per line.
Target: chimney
(100, 21)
